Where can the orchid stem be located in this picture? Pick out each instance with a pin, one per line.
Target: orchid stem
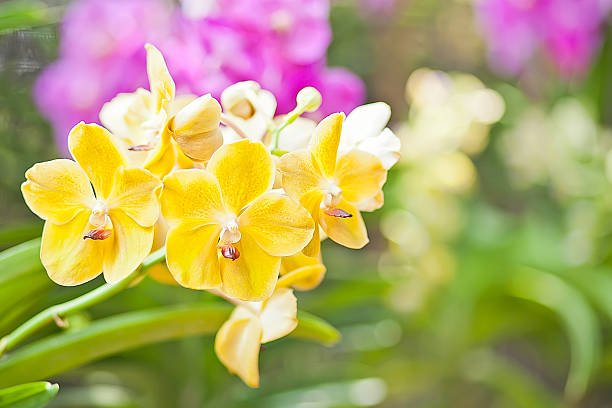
(58, 312)
(289, 119)
(227, 121)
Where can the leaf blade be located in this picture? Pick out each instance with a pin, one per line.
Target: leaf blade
(31, 395)
(68, 350)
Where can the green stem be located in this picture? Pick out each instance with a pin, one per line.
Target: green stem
(56, 312)
(289, 119)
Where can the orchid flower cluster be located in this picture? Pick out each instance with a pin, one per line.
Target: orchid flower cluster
(239, 197)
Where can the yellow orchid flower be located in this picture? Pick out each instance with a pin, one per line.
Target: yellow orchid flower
(86, 234)
(159, 129)
(159, 271)
(301, 272)
(226, 229)
(252, 324)
(332, 187)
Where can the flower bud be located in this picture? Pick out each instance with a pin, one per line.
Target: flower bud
(246, 99)
(195, 128)
(309, 99)
(235, 99)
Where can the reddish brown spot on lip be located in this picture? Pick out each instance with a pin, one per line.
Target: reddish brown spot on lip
(229, 252)
(140, 148)
(337, 212)
(98, 234)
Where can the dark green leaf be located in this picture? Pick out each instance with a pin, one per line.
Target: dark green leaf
(576, 315)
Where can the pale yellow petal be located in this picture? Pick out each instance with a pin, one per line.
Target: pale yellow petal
(301, 272)
(253, 275)
(299, 175)
(360, 175)
(162, 84)
(195, 128)
(237, 345)
(371, 204)
(314, 246)
(136, 193)
(56, 190)
(191, 194)
(93, 148)
(350, 232)
(191, 253)
(160, 271)
(182, 161)
(161, 160)
(68, 258)
(326, 138)
(180, 101)
(244, 170)
(280, 225)
(278, 315)
(129, 244)
(312, 202)
(113, 113)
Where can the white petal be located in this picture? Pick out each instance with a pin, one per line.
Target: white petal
(297, 135)
(365, 121)
(386, 146)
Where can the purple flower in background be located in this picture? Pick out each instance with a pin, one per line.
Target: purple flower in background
(208, 45)
(566, 30)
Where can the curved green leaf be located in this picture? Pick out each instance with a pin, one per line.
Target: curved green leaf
(19, 260)
(597, 285)
(311, 327)
(65, 351)
(23, 282)
(32, 395)
(576, 315)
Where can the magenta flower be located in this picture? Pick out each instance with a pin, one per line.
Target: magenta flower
(568, 31)
(279, 43)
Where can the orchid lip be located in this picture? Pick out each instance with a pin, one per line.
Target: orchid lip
(338, 212)
(140, 148)
(230, 233)
(98, 234)
(229, 251)
(332, 197)
(99, 214)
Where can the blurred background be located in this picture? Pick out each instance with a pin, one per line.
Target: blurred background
(488, 279)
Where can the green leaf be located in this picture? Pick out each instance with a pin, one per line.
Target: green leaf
(311, 327)
(32, 395)
(19, 260)
(516, 384)
(597, 285)
(577, 316)
(68, 350)
(23, 282)
(14, 234)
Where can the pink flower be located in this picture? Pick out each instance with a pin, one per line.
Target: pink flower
(298, 30)
(566, 30)
(279, 43)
